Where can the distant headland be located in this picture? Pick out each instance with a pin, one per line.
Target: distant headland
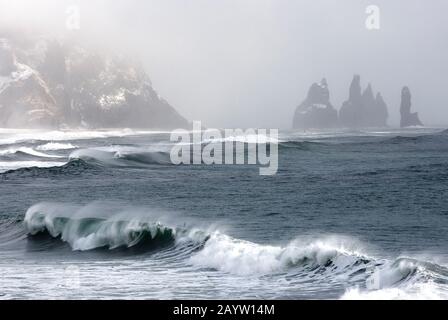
(49, 83)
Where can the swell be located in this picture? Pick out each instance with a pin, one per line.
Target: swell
(88, 160)
(26, 151)
(119, 158)
(141, 158)
(403, 278)
(335, 260)
(312, 145)
(301, 145)
(97, 226)
(10, 231)
(437, 171)
(424, 138)
(94, 226)
(73, 167)
(265, 140)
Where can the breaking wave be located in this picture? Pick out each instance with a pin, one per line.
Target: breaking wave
(403, 278)
(94, 226)
(16, 158)
(246, 258)
(54, 146)
(339, 260)
(27, 151)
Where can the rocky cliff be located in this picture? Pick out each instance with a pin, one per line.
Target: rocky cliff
(363, 109)
(316, 111)
(52, 84)
(408, 118)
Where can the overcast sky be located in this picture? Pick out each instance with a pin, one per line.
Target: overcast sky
(249, 63)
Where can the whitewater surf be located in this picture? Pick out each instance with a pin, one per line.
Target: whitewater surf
(106, 215)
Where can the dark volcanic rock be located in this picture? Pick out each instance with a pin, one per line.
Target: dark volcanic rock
(47, 83)
(351, 112)
(363, 109)
(408, 118)
(381, 114)
(316, 111)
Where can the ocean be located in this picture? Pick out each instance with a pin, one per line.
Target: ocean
(105, 214)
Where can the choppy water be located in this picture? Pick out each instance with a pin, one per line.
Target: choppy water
(103, 214)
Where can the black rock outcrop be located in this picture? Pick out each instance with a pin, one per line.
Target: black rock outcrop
(363, 109)
(408, 118)
(316, 112)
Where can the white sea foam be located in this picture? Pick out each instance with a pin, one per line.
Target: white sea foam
(10, 136)
(29, 151)
(320, 262)
(97, 154)
(54, 146)
(404, 278)
(244, 258)
(415, 291)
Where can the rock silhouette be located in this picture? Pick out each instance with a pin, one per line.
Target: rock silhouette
(316, 111)
(363, 109)
(408, 118)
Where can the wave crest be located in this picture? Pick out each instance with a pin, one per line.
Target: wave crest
(336, 260)
(244, 258)
(122, 157)
(86, 232)
(55, 146)
(27, 151)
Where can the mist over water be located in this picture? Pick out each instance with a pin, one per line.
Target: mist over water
(93, 205)
(250, 63)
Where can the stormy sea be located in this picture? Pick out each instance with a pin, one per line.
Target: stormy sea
(105, 214)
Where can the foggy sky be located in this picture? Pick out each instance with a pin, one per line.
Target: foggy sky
(249, 63)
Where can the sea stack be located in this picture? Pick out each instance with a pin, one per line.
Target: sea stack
(316, 111)
(363, 109)
(408, 118)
